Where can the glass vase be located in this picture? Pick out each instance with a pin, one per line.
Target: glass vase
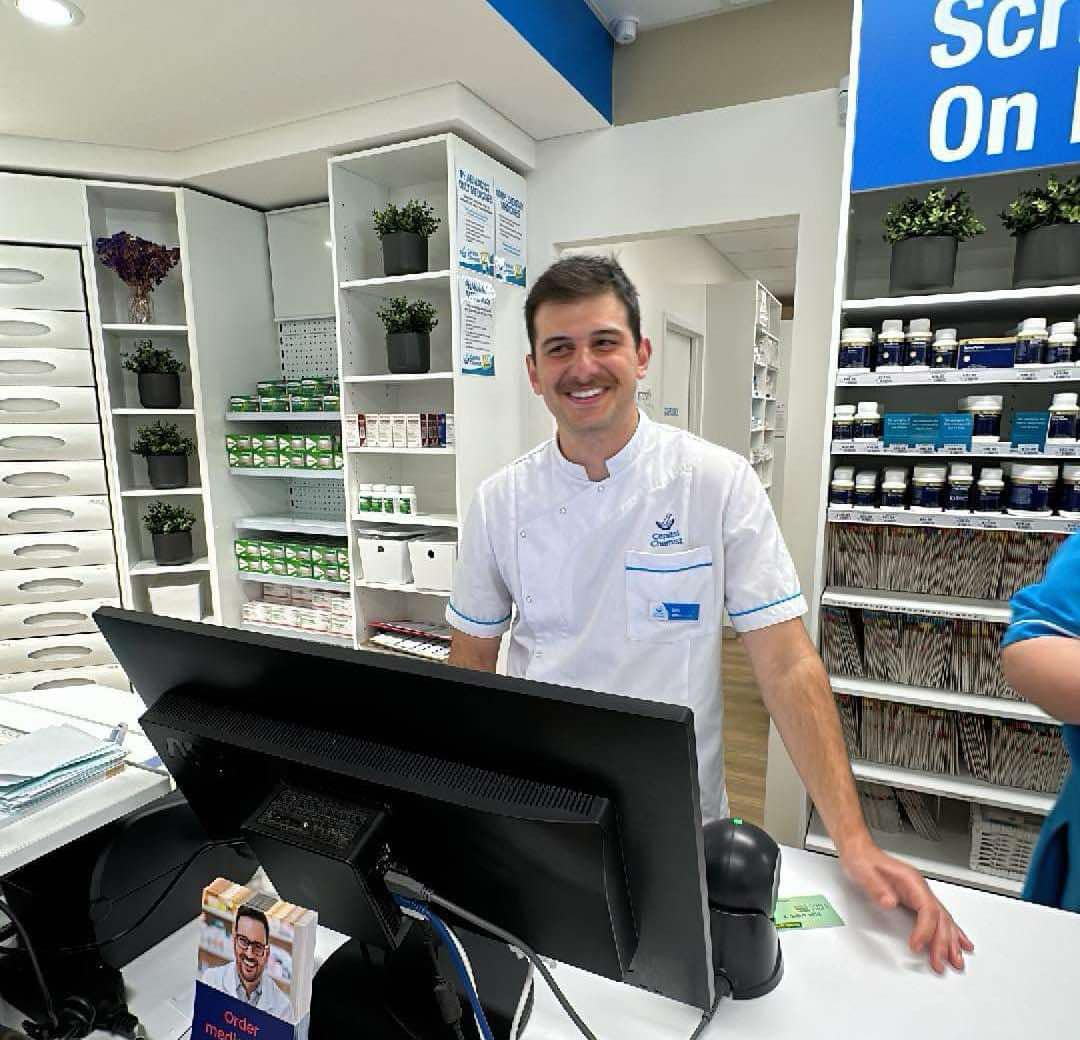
(141, 311)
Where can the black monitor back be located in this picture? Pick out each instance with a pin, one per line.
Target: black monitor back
(263, 710)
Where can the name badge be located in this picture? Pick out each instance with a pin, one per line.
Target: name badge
(675, 611)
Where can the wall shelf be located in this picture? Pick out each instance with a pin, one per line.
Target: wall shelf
(945, 860)
(153, 411)
(948, 700)
(159, 492)
(1001, 450)
(127, 328)
(417, 520)
(291, 474)
(325, 638)
(145, 567)
(944, 307)
(963, 377)
(423, 377)
(299, 523)
(952, 521)
(304, 583)
(387, 586)
(398, 285)
(330, 417)
(401, 451)
(911, 603)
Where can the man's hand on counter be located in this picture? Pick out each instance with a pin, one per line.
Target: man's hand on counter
(890, 883)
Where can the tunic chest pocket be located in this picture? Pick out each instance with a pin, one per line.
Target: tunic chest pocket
(670, 596)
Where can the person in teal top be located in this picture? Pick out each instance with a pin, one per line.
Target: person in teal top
(1041, 660)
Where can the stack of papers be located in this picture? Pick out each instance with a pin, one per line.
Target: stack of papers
(39, 767)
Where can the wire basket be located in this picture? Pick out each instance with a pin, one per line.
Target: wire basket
(1002, 841)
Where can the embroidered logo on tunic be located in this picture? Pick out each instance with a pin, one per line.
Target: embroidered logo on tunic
(667, 535)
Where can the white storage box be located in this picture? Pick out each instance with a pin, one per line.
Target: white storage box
(384, 556)
(54, 330)
(33, 276)
(433, 558)
(71, 513)
(50, 619)
(48, 584)
(96, 675)
(36, 655)
(48, 404)
(37, 366)
(36, 479)
(180, 601)
(33, 442)
(67, 549)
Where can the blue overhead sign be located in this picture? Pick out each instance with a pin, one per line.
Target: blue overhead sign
(956, 88)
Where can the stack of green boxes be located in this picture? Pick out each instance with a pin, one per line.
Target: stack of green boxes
(313, 394)
(270, 450)
(302, 558)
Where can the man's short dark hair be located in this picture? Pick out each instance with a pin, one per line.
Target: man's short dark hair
(579, 277)
(256, 915)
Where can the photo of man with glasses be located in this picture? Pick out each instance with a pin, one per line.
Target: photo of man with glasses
(244, 977)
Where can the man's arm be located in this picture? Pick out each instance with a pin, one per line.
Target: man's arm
(481, 655)
(1046, 670)
(795, 688)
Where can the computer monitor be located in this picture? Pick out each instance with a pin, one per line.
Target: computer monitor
(567, 817)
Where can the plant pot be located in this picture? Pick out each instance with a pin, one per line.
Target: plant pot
(404, 252)
(1047, 256)
(923, 265)
(159, 389)
(167, 471)
(408, 353)
(173, 548)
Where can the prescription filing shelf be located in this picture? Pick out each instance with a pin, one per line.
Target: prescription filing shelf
(953, 521)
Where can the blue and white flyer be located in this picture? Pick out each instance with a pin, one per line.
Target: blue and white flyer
(509, 237)
(477, 326)
(475, 222)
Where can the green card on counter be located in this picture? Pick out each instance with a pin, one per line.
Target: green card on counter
(806, 912)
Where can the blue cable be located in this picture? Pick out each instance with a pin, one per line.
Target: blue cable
(459, 965)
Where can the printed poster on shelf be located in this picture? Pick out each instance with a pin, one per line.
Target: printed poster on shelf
(509, 237)
(475, 222)
(477, 326)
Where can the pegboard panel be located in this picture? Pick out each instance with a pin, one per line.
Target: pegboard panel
(321, 497)
(308, 348)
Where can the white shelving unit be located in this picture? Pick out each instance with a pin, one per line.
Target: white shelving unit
(289, 417)
(982, 305)
(217, 297)
(486, 409)
(742, 389)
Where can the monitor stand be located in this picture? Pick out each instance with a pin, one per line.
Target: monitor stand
(367, 991)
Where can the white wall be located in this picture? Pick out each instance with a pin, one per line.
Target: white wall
(767, 159)
(670, 275)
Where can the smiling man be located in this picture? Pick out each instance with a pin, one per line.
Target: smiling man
(244, 977)
(620, 542)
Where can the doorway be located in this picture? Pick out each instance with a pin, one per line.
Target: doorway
(681, 387)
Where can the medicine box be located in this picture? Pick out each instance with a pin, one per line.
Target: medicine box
(399, 431)
(412, 431)
(385, 430)
(987, 353)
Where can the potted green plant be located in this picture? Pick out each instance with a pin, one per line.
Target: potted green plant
(170, 529)
(166, 451)
(925, 235)
(1045, 222)
(408, 325)
(404, 232)
(159, 374)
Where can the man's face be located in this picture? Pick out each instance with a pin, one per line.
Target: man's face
(586, 366)
(251, 949)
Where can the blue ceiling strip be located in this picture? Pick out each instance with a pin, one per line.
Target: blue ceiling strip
(572, 39)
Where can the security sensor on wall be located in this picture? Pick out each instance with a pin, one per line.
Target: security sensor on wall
(624, 29)
(842, 99)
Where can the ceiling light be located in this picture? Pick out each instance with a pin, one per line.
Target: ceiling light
(57, 14)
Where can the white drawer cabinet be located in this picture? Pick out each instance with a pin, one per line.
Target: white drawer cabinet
(48, 443)
(48, 330)
(41, 278)
(45, 652)
(38, 479)
(50, 619)
(45, 584)
(67, 549)
(71, 513)
(48, 404)
(37, 366)
(57, 678)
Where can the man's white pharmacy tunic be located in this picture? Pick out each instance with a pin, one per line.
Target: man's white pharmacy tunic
(620, 585)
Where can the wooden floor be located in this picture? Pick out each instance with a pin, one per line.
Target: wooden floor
(746, 736)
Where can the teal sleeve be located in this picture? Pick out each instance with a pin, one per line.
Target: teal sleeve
(1051, 607)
